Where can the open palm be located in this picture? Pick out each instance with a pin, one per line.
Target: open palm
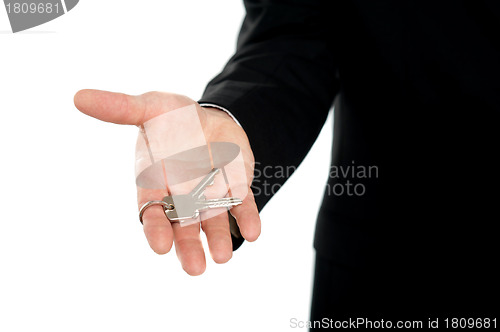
(217, 127)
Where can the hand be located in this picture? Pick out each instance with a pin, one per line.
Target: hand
(160, 233)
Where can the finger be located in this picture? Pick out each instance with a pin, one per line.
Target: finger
(189, 248)
(125, 109)
(247, 217)
(218, 237)
(157, 227)
(111, 107)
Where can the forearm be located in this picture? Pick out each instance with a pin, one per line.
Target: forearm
(280, 83)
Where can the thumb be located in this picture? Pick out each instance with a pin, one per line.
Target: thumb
(111, 107)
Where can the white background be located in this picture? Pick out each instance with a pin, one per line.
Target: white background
(73, 256)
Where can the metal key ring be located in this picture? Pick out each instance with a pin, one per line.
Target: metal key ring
(166, 206)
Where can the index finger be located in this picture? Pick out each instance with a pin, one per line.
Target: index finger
(157, 227)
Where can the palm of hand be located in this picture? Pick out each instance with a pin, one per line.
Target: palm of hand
(217, 127)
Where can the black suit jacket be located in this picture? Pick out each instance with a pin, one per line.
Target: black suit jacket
(416, 89)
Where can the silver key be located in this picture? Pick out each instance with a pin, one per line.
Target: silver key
(190, 205)
(208, 180)
(218, 203)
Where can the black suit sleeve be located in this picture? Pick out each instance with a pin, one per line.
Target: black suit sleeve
(279, 84)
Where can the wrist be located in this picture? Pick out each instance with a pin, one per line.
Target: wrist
(220, 108)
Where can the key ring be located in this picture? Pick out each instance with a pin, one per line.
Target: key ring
(166, 207)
